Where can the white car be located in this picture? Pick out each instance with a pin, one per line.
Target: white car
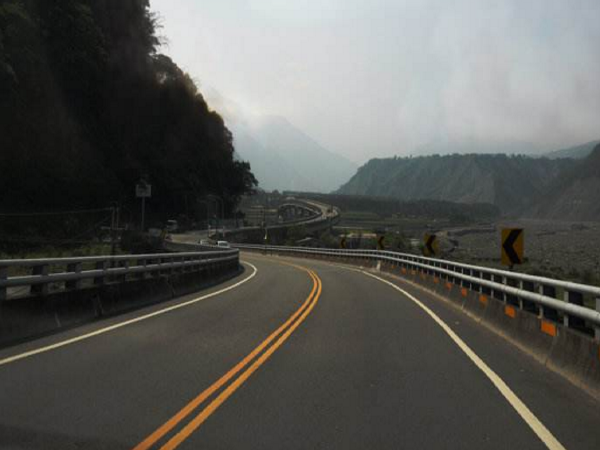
(223, 244)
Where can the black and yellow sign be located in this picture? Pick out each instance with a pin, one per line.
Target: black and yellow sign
(512, 246)
(431, 247)
(380, 244)
(343, 242)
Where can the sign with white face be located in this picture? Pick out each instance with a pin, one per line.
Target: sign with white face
(143, 190)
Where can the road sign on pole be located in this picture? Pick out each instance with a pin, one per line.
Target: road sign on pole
(431, 247)
(380, 243)
(512, 246)
(143, 190)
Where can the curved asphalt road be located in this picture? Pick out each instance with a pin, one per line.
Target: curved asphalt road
(360, 366)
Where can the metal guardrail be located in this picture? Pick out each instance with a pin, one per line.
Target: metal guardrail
(536, 294)
(70, 273)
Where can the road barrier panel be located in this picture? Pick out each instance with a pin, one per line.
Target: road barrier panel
(3, 278)
(60, 292)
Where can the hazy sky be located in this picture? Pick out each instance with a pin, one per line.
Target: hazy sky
(380, 77)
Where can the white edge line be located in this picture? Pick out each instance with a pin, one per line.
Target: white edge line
(526, 414)
(83, 337)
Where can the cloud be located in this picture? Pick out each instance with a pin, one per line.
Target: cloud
(382, 77)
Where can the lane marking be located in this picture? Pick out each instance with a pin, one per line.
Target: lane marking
(161, 431)
(116, 326)
(526, 414)
(195, 423)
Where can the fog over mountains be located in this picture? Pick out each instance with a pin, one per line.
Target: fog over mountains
(282, 156)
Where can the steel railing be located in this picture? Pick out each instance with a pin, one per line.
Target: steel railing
(41, 276)
(556, 300)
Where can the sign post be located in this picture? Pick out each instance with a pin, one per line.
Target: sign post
(143, 190)
(512, 246)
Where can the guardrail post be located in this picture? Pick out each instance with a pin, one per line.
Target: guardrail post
(475, 287)
(3, 277)
(141, 262)
(73, 284)
(100, 280)
(519, 300)
(597, 327)
(42, 288)
(485, 289)
(184, 268)
(167, 262)
(526, 304)
(158, 262)
(125, 264)
(465, 283)
(575, 298)
(545, 312)
(509, 298)
(498, 295)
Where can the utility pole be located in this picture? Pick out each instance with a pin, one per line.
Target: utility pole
(143, 190)
(220, 200)
(205, 203)
(143, 213)
(114, 225)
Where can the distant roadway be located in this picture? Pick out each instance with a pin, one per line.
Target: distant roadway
(291, 354)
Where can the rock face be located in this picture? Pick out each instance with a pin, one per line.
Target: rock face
(509, 182)
(574, 194)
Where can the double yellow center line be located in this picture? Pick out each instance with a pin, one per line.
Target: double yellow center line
(246, 366)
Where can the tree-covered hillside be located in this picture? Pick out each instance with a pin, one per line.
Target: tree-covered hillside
(88, 106)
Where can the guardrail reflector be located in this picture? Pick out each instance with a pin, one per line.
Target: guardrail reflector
(510, 311)
(548, 328)
(483, 299)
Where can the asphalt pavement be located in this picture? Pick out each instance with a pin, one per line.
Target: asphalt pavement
(297, 354)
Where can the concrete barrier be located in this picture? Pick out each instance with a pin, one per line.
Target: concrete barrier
(572, 354)
(30, 317)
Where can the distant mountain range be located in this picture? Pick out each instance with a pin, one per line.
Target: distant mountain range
(285, 158)
(508, 147)
(281, 156)
(561, 187)
(577, 152)
(478, 146)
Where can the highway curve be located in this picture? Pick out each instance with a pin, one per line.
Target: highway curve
(300, 354)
